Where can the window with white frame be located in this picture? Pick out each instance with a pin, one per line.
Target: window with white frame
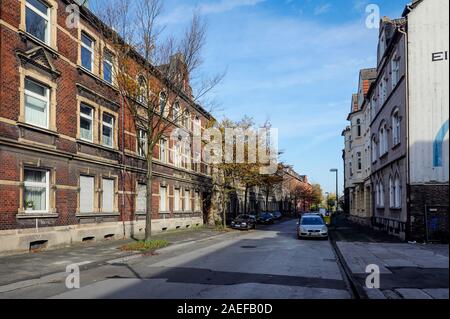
(374, 148)
(398, 192)
(86, 194)
(178, 155)
(107, 195)
(108, 130)
(197, 126)
(396, 130)
(142, 143)
(358, 127)
(163, 207)
(176, 113)
(37, 20)
(141, 198)
(142, 90)
(391, 193)
(187, 200)
(395, 70)
(162, 102)
(37, 102)
(187, 120)
(187, 155)
(36, 190)
(163, 150)
(381, 203)
(176, 200)
(86, 122)
(87, 52)
(382, 92)
(373, 107)
(108, 67)
(383, 139)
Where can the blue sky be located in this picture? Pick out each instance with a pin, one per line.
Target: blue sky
(293, 62)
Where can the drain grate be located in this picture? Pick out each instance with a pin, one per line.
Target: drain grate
(249, 247)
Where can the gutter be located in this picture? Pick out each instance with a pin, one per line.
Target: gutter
(408, 170)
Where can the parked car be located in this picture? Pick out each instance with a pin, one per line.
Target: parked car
(277, 215)
(265, 218)
(312, 226)
(245, 222)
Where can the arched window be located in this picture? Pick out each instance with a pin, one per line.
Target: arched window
(381, 195)
(383, 141)
(162, 102)
(374, 148)
(142, 90)
(176, 112)
(359, 161)
(398, 192)
(377, 194)
(358, 127)
(396, 133)
(391, 193)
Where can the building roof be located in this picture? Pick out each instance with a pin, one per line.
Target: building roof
(368, 74)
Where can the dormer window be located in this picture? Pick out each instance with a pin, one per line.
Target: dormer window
(37, 20)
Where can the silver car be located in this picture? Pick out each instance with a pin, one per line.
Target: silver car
(312, 226)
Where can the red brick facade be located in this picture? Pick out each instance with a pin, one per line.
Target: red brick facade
(59, 150)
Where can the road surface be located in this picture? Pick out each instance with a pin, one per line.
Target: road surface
(268, 263)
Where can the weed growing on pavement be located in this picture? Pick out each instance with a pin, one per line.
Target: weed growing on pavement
(145, 246)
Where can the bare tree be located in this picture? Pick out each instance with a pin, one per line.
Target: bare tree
(152, 74)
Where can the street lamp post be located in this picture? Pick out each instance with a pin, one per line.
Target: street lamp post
(335, 170)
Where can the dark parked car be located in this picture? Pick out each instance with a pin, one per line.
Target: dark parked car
(277, 215)
(245, 222)
(265, 218)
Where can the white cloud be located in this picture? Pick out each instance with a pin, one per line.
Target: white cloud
(182, 13)
(322, 9)
(226, 5)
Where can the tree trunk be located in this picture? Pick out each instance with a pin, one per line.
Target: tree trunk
(245, 199)
(148, 219)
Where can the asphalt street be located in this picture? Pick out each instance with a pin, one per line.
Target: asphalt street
(268, 263)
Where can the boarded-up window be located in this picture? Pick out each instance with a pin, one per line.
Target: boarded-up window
(86, 194)
(108, 195)
(176, 200)
(141, 201)
(163, 199)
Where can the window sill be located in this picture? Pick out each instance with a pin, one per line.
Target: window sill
(396, 146)
(31, 215)
(80, 141)
(38, 129)
(384, 155)
(82, 69)
(396, 209)
(28, 37)
(90, 215)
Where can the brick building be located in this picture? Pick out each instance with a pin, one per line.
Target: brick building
(70, 166)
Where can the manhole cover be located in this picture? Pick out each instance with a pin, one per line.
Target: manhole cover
(248, 247)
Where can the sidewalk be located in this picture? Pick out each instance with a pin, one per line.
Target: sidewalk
(408, 271)
(33, 266)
